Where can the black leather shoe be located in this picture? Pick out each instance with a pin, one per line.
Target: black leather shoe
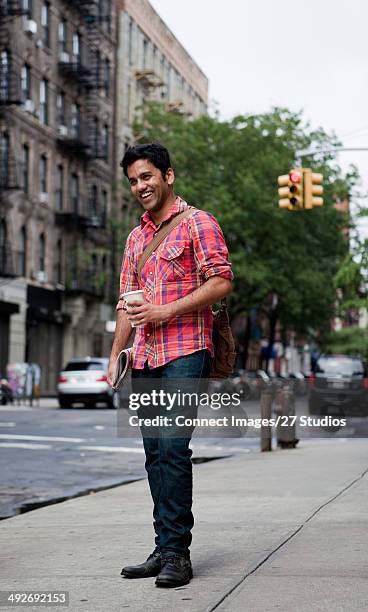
(176, 571)
(151, 567)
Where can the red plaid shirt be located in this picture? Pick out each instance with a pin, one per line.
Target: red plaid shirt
(194, 251)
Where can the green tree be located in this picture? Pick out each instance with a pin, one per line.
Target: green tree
(230, 168)
(351, 282)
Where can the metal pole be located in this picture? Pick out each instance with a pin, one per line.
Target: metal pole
(300, 154)
(285, 409)
(266, 430)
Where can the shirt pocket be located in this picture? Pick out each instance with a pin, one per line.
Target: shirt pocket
(172, 261)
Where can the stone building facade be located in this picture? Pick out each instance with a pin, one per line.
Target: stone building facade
(153, 65)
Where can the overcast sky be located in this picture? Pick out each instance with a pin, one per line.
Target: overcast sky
(302, 54)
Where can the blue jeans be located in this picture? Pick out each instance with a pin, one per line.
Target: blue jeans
(168, 456)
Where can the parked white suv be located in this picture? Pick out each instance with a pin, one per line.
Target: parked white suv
(84, 380)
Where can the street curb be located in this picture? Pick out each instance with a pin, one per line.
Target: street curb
(30, 506)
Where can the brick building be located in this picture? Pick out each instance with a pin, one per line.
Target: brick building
(72, 76)
(57, 68)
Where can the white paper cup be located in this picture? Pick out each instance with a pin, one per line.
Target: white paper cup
(133, 296)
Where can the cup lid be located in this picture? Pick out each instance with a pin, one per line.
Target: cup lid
(132, 292)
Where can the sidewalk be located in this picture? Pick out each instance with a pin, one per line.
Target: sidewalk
(285, 530)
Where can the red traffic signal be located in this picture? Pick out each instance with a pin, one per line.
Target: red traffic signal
(295, 177)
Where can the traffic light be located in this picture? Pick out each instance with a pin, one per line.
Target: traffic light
(291, 189)
(313, 188)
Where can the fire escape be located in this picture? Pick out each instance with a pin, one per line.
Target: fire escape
(83, 139)
(10, 94)
(148, 79)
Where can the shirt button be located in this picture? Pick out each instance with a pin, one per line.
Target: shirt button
(148, 335)
(151, 272)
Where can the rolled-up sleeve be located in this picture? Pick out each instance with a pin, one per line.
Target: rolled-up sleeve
(128, 276)
(210, 250)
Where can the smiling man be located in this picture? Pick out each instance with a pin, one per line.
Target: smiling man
(187, 273)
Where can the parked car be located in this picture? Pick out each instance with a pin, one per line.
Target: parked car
(338, 387)
(84, 381)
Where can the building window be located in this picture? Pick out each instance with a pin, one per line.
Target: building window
(94, 202)
(98, 68)
(104, 202)
(59, 192)
(107, 77)
(101, 10)
(3, 245)
(26, 82)
(42, 258)
(129, 102)
(5, 75)
(60, 108)
(130, 42)
(44, 101)
(77, 46)
(62, 37)
(59, 262)
(4, 159)
(95, 137)
(74, 193)
(22, 252)
(25, 168)
(108, 14)
(43, 174)
(45, 22)
(145, 47)
(75, 120)
(27, 6)
(105, 142)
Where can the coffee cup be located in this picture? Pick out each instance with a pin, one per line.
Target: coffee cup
(133, 296)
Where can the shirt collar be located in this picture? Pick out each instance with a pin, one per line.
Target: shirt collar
(177, 206)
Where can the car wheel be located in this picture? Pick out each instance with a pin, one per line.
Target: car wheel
(64, 403)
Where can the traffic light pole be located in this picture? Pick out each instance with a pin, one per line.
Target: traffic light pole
(310, 152)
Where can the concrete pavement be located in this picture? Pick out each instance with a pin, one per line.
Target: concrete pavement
(286, 530)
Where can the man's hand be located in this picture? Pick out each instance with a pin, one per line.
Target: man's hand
(110, 371)
(122, 333)
(140, 314)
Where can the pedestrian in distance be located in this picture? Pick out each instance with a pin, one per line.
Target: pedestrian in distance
(182, 278)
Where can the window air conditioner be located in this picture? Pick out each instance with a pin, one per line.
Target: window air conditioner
(41, 276)
(44, 197)
(29, 106)
(94, 221)
(62, 130)
(29, 26)
(64, 57)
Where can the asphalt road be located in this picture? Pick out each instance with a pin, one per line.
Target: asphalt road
(51, 454)
(48, 454)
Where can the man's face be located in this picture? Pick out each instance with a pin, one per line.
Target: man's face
(148, 185)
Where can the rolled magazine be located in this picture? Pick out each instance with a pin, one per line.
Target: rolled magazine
(122, 365)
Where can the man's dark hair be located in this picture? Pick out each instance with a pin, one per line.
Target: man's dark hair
(153, 152)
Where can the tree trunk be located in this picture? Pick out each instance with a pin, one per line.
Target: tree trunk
(247, 334)
(272, 317)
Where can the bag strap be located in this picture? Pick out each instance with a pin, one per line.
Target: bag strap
(161, 235)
